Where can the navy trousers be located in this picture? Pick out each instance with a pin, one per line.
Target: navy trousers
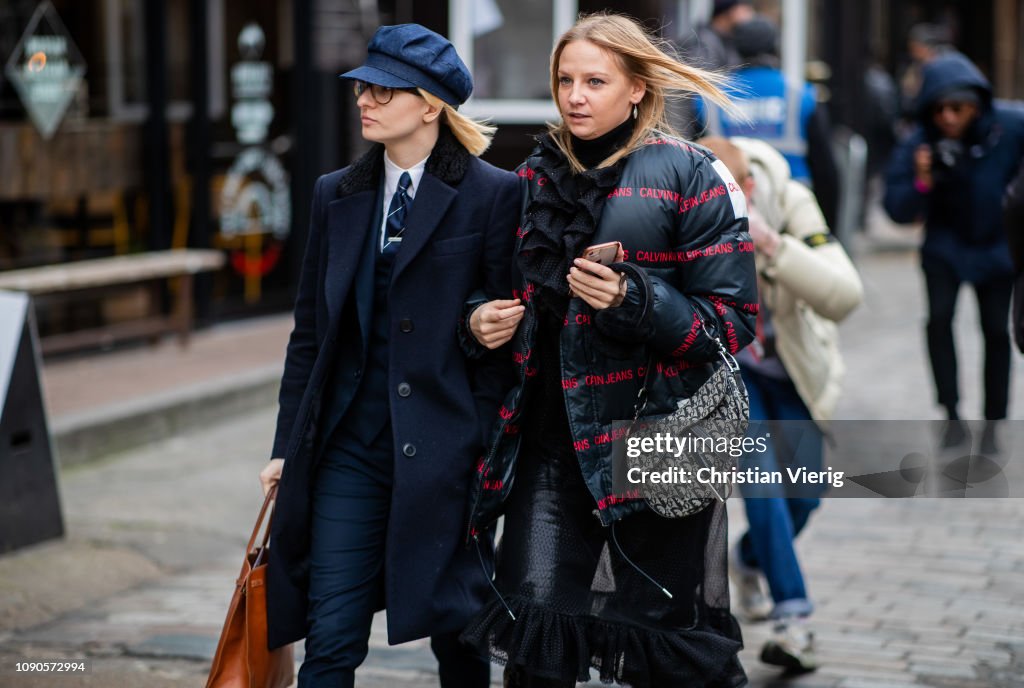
(943, 284)
(351, 501)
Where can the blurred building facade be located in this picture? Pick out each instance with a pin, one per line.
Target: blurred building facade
(205, 123)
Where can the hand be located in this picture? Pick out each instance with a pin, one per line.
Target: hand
(598, 285)
(923, 165)
(766, 239)
(496, 321)
(271, 474)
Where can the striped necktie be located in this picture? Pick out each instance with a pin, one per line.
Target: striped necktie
(397, 212)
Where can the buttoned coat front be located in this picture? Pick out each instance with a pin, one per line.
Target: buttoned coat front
(459, 238)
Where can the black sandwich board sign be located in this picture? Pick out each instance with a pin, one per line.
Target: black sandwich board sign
(29, 502)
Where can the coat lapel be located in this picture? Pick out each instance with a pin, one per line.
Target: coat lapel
(350, 216)
(428, 208)
(348, 223)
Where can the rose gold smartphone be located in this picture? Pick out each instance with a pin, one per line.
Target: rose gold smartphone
(604, 254)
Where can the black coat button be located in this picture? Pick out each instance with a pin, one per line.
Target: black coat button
(404, 389)
(358, 373)
(405, 325)
(409, 449)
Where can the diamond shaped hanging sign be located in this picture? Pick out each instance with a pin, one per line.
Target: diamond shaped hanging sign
(46, 69)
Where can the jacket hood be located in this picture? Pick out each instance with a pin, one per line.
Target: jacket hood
(946, 73)
(771, 174)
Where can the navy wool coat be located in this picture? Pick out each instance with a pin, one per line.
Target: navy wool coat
(459, 238)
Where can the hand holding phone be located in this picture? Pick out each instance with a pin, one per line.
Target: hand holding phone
(591, 279)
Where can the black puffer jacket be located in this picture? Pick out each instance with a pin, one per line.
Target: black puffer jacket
(682, 222)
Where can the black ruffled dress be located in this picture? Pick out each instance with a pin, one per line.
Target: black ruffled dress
(585, 595)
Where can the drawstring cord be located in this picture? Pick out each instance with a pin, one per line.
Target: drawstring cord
(488, 576)
(615, 541)
(639, 570)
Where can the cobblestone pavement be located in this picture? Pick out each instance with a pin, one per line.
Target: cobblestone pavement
(909, 592)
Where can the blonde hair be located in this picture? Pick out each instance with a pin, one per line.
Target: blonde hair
(641, 56)
(474, 135)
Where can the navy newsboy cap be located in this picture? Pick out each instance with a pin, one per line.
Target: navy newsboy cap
(413, 56)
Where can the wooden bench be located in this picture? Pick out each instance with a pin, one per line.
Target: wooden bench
(98, 277)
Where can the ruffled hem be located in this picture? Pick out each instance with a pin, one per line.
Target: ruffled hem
(564, 647)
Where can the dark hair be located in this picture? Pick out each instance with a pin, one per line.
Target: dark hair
(932, 35)
(723, 6)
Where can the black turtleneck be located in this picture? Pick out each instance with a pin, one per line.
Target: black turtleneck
(591, 152)
(545, 413)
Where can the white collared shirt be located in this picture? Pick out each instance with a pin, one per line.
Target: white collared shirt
(392, 173)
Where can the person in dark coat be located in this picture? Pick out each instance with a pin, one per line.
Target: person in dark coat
(952, 171)
(588, 576)
(382, 417)
(710, 46)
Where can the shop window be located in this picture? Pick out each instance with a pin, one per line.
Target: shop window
(126, 58)
(507, 45)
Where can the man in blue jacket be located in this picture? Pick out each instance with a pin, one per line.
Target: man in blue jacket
(952, 171)
(783, 114)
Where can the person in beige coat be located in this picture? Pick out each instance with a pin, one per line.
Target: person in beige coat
(793, 372)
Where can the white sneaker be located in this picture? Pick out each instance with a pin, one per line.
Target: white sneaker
(791, 646)
(751, 600)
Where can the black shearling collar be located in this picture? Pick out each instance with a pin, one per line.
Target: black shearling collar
(448, 162)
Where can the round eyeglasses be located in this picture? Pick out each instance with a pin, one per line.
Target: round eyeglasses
(382, 94)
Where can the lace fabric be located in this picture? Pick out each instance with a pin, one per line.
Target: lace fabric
(564, 647)
(578, 604)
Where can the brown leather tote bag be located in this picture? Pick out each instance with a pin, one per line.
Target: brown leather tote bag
(242, 659)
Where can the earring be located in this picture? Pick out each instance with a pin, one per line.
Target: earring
(634, 111)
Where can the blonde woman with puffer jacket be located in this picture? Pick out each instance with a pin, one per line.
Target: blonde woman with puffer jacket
(793, 372)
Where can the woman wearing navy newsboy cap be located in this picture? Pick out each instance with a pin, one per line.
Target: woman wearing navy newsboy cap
(382, 417)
